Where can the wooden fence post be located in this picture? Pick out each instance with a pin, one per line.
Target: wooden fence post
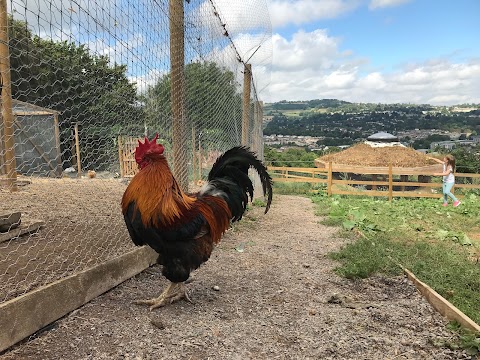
(177, 89)
(6, 88)
(329, 179)
(403, 178)
(374, 178)
(120, 156)
(77, 150)
(247, 78)
(390, 182)
(57, 145)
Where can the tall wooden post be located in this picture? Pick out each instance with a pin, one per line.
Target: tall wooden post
(194, 155)
(3, 169)
(329, 179)
(7, 113)
(57, 145)
(390, 182)
(120, 156)
(77, 150)
(247, 82)
(177, 61)
(260, 131)
(256, 127)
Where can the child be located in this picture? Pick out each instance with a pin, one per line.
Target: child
(448, 179)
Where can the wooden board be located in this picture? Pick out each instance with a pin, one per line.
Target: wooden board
(10, 221)
(442, 305)
(26, 314)
(21, 230)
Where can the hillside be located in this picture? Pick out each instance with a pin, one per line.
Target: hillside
(337, 122)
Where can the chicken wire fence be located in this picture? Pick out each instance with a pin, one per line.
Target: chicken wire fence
(81, 82)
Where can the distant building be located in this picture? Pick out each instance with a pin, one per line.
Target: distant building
(383, 137)
(452, 144)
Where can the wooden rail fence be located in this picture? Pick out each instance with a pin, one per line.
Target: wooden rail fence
(385, 181)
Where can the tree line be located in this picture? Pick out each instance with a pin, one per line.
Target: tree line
(90, 90)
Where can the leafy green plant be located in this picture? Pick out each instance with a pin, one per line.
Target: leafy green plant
(430, 240)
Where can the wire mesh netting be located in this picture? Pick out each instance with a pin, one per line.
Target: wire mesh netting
(89, 78)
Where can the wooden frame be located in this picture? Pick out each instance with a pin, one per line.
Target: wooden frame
(26, 314)
(325, 176)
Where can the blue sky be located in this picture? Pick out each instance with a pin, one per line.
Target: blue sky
(417, 51)
(418, 30)
(380, 51)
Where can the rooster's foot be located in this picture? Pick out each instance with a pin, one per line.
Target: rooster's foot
(174, 292)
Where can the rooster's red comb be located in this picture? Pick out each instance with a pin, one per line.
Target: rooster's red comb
(148, 147)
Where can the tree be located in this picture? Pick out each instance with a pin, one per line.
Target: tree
(85, 88)
(213, 104)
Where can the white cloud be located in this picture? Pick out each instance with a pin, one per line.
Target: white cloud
(239, 16)
(305, 50)
(147, 80)
(339, 79)
(284, 12)
(376, 4)
(312, 65)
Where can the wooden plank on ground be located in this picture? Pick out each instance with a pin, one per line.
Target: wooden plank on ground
(442, 305)
(10, 221)
(21, 230)
(26, 314)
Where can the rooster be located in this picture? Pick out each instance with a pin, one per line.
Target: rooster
(184, 228)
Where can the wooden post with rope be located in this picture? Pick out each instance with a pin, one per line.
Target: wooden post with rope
(77, 152)
(177, 90)
(247, 83)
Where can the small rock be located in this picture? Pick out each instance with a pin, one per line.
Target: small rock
(312, 312)
(158, 323)
(306, 266)
(216, 288)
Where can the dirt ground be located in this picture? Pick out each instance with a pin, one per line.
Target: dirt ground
(275, 297)
(83, 227)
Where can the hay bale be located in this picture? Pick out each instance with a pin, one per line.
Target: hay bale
(366, 155)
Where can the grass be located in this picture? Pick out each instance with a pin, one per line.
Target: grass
(438, 244)
(291, 188)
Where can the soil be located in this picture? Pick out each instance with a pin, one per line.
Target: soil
(83, 227)
(267, 292)
(366, 155)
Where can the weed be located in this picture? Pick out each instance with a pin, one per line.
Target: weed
(259, 203)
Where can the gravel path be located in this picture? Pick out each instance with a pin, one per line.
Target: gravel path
(277, 298)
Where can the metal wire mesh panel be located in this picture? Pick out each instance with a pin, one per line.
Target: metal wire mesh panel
(86, 79)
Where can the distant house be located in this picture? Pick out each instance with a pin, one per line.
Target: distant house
(452, 144)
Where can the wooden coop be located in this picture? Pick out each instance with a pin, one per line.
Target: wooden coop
(37, 141)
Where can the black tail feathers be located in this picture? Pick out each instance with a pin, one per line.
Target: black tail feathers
(230, 175)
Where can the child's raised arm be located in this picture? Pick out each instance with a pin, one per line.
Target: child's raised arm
(437, 160)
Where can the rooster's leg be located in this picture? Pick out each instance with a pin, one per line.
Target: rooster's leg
(173, 292)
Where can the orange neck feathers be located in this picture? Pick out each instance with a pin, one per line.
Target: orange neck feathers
(157, 195)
